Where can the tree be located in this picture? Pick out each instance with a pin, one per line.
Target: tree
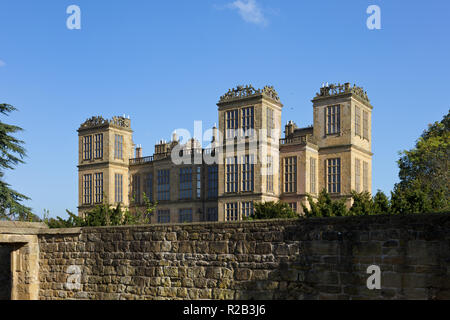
(104, 215)
(324, 206)
(273, 210)
(12, 154)
(362, 204)
(424, 172)
(381, 203)
(415, 198)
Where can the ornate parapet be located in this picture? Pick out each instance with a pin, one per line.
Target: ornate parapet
(336, 90)
(99, 121)
(249, 91)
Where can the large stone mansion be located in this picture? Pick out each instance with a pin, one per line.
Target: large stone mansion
(222, 182)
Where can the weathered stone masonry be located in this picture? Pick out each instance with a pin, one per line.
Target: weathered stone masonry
(280, 259)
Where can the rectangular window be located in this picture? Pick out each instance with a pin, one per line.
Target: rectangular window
(232, 123)
(211, 214)
(293, 206)
(87, 189)
(98, 140)
(290, 174)
(163, 185)
(87, 147)
(247, 209)
(149, 186)
(136, 188)
(365, 125)
(118, 147)
(199, 182)
(248, 173)
(98, 187)
(185, 183)
(357, 121)
(312, 176)
(185, 215)
(118, 183)
(212, 182)
(357, 175)
(334, 175)
(365, 176)
(163, 216)
(270, 123)
(231, 175)
(248, 123)
(333, 118)
(269, 186)
(231, 211)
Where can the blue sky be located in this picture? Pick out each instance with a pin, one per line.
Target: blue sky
(158, 59)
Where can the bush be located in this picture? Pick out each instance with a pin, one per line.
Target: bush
(104, 215)
(324, 206)
(272, 210)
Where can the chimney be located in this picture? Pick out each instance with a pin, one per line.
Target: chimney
(289, 128)
(139, 151)
(214, 137)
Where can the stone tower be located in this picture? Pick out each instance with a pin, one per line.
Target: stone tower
(249, 125)
(342, 131)
(105, 148)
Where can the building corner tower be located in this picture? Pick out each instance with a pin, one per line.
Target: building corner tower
(105, 148)
(343, 133)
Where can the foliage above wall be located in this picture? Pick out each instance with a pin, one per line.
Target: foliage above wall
(12, 154)
(105, 215)
(272, 210)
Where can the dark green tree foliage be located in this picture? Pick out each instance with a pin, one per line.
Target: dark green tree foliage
(105, 215)
(417, 198)
(12, 154)
(381, 203)
(273, 210)
(424, 172)
(324, 206)
(362, 204)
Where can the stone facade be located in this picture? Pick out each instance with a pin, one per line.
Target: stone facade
(333, 154)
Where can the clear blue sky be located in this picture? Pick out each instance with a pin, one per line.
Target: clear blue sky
(156, 60)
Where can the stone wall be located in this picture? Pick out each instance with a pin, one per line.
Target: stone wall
(279, 259)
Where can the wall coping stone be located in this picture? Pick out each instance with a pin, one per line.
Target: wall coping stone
(438, 219)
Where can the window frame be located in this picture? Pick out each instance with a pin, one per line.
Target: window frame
(290, 174)
(98, 183)
(231, 175)
(185, 183)
(98, 146)
(87, 189)
(118, 187)
(163, 185)
(87, 147)
(333, 120)
(333, 175)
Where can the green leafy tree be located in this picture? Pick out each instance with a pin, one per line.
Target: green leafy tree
(104, 215)
(415, 198)
(424, 172)
(272, 210)
(325, 206)
(362, 204)
(381, 204)
(12, 154)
